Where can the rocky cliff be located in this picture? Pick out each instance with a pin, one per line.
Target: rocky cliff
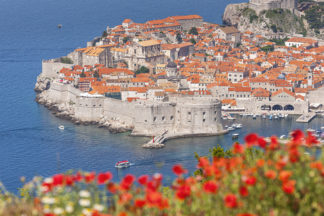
(267, 22)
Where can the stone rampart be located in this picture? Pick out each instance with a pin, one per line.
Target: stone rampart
(50, 68)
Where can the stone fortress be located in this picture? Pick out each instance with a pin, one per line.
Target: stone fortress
(177, 115)
(260, 5)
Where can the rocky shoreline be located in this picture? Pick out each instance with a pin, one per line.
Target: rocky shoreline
(66, 110)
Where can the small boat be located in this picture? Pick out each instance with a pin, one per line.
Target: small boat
(311, 130)
(235, 136)
(59, 26)
(61, 127)
(276, 117)
(254, 116)
(270, 117)
(283, 137)
(322, 128)
(238, 126)
(286, 115)
(230, 128)
(122, 164)
(264, 116)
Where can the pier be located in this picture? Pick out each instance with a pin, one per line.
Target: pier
(157, 141)
(305, 118)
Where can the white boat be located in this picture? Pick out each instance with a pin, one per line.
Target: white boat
(122, 164)
(61, 127)
(264, 116)
(230, 128)
(311, 130)
(235, 136)
(283, 137)
(286, 115)
(238, 126)
(322, 128)
(254, 116)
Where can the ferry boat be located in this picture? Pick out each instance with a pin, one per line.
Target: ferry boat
(122, 164)
(61, 127)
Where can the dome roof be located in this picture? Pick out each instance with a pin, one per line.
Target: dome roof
(171, 65)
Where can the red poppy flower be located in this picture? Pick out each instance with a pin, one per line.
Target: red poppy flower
(251, 139)
(210, 187)
(90, 177)
(251, 180)
(261, 142)
(178, 170)
(284, 175)
(289, 186)
(183, 192)
(77, 177)
(112, 188)
(58, 179)
(143, 179)
(244, 191)
(270, 174)
(127, 182)
(104, 177)
(297, 136)
(274, 143)
(125, 197)
(69, 180)
(317, 165)
(230, 201)
(311, 139)
(203, 162)
(238, 149)
(139, 203)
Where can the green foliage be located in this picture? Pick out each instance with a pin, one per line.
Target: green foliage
(193, 41)
(142, 69)
(125, 39)
(268, 48)
(178, 37)
(219, 152)
(82, 74)
(314, 15)
(250, 13)
(66, 60)
(193, 31)
(96, 74)
(104, 34)
(279, 42)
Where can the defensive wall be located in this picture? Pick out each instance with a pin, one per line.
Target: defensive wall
(50, 68)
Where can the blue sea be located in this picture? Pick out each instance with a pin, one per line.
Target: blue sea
(30, 141)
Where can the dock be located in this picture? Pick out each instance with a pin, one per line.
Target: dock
(157, 141)
(305, 118)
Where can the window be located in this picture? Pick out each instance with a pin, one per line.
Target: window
(163, 118)
(154, 119)
(171, 117)
(214, 119)
(204, 120)
(189, 113)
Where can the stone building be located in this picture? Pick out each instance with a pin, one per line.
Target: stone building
(143, 53)
(229, 33)
(260, 5)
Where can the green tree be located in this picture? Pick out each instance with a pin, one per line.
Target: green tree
(178, 37)
(193, 31)
(142, 69)
(82, 74)
(125, 39)
(268, 48)
(104, 34)
(193, 41)
(66, 60)
(96, 74)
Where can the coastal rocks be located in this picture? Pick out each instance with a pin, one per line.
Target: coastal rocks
(267, 22)
(232, 13)
(115, 125)
(42, 84)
